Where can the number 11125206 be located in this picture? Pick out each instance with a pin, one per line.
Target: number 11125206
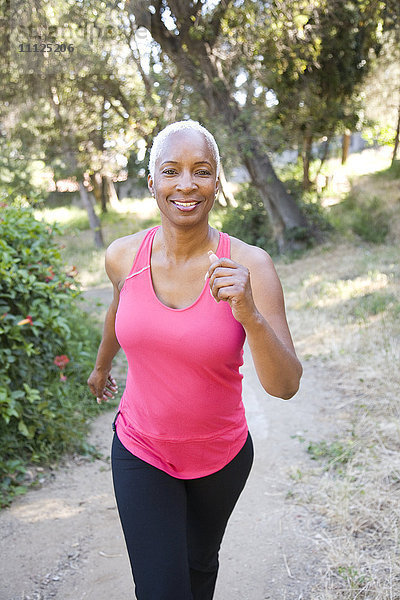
(42, 47)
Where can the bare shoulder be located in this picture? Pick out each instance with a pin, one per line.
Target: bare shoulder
(252, 257)
(120, 255)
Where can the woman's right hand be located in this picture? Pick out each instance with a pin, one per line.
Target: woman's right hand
(102, 385)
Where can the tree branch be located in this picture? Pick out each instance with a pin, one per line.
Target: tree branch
(215, 22)
(182, 9)
(137, 58)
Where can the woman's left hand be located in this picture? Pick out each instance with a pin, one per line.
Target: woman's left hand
(230, 282)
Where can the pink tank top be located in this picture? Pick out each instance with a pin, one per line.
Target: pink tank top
(181, 410)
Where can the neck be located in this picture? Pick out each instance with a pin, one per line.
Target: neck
(180, 244)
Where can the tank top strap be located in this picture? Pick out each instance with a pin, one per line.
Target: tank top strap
(224, 246)
(143, 255)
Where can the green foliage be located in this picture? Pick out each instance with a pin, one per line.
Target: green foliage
(69, 218)
(20, 177)
(371, 221)
(335, 454)
(46, 351)
(368, 219)
(379, 134)
(316, 215)
(249, 220)
(314, 58)
(353, 578)
(309, 202)
(374, 304)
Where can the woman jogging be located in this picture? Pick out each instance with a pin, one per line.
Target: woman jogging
(185, 298)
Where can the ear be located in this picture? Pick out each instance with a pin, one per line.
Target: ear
(150, 185)
(217, 186)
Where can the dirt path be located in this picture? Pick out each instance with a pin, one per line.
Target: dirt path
(64, 540)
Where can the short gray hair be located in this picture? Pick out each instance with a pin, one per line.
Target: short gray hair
(160, 138)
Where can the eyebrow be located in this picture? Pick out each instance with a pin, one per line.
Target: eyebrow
(199, 162)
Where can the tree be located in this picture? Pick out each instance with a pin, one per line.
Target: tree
(381, 96)
(193, 42)
(80, 116)
(315, 56)
(390, 65)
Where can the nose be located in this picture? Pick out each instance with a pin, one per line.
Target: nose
(185, 182)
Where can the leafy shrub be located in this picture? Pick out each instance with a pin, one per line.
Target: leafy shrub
(371, 221)
(368, 219)
(378, 135)
(47, 349)
(249, 220)
(309, 202)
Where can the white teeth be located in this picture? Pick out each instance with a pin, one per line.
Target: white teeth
(185, 203)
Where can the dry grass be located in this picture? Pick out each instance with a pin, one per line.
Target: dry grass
(344, 306)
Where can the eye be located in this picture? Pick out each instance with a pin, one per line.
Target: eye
(203, 172)
(169, 171)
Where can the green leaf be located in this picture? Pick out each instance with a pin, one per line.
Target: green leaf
(22, 428)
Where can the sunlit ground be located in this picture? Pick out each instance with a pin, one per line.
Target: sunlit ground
(63, 215)
(341, 177)
(368, 161)
(74, 215)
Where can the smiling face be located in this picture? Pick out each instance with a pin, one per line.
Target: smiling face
(185, 180)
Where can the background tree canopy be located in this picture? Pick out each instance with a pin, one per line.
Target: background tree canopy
(88, 84)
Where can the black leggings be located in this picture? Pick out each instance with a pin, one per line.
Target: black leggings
(174, 527)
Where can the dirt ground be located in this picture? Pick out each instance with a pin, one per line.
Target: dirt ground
(64, 539)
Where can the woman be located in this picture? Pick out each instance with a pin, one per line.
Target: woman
(182, 452)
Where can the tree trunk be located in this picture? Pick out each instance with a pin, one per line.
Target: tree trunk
(99, 191)
(284, 213)
(67, 148)
(94, 221)
(111, 193)
(345, 145)
(103, 196)
(198, 65)
(104, 191)
(324, 156)
(229, 197)
(396, 139)
(285, 216)
(324, 153)
(306, 158)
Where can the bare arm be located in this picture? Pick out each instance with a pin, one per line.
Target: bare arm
(119, 258)
(101, 382)
(118, 262)
(255, 295)
(268, 335)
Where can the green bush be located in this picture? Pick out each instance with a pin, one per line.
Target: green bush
(249, 220)
(47, 349)
(368, 218)
(371, 221)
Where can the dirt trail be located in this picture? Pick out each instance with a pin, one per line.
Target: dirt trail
(64, 540)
